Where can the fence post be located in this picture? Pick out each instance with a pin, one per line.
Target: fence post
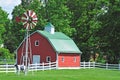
(6, 68)
(28, 67)
(49, 65)
(89, 64)
(93, 64)
(43, 66)
(15, 70)
(84, 64)
(56, 64)
(106, 65)
(119, 66)
(32, 68)
(18, 71)
(36, 66)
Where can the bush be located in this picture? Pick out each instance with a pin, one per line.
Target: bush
(4, 53)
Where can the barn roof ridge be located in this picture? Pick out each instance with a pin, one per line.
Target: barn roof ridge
(56, 35)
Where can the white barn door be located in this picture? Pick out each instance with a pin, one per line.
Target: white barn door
(36, 59)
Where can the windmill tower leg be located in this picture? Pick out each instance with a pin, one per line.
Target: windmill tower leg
(26, 54)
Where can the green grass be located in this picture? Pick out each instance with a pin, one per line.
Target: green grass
(81, 74)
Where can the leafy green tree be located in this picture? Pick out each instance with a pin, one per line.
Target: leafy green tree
(9, 39)
(4, 53)
(3, 21)
(110, 32)
(87, 24)
(54, 11)
(4, 26)
(97, 28)
(60, 15)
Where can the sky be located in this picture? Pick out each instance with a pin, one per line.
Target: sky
(8, 5)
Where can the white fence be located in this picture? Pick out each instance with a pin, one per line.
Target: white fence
(87, 65)
(53, 65)
(32, 67)
(7, 68)
(108, 66)
(43, 66)
(99, 65)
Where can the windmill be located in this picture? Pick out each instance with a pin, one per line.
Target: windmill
(29, 20)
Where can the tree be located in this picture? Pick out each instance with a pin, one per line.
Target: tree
(60, 15)
(9, 38)
(110, 32)
(3, 21)
(86, 23)
(4, 53)
(97, 28)
(54, 11)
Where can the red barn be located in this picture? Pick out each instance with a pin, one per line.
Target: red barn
(52, 46)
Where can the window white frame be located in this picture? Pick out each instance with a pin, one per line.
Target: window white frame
(62, 59)
(36, 42)
(48, 59)
(74, 59)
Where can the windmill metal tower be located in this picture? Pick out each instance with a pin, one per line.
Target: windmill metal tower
(29, 20)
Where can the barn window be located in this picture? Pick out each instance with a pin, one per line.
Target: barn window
(48, 59)
(37, 43)
(62, 59)
(74, 59)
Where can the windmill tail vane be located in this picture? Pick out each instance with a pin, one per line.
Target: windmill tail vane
(17, 19)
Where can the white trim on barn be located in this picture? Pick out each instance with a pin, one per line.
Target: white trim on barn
(37, 42)
(48, 59)
(57, 60)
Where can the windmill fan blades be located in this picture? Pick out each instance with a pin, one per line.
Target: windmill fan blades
(29, 19)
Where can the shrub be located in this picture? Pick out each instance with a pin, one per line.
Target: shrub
(4, 53)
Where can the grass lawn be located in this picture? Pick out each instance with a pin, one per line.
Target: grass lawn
(81, 74)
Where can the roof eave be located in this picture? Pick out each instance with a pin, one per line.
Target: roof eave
(71, 52)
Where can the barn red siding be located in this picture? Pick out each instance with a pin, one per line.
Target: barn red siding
(44, 49)
(68, 60)
(19, 52)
